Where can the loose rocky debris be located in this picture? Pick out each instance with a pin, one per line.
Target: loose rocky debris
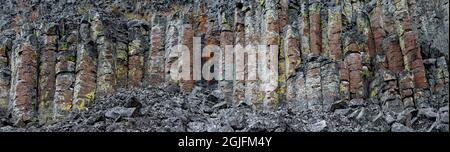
(160, 110)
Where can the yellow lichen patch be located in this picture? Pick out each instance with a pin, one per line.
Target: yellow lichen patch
(342, 88)
(66, 106)
(72, 58)
(130, 15)
(273, 99)
(91, 95)
(63, 47)
(80, 105)
(261, 2)
(260, 96)
(81, 10)
(373, 93)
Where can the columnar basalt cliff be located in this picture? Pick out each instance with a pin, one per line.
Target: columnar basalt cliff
(377, 59)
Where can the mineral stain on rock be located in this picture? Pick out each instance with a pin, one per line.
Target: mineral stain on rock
(347, 65)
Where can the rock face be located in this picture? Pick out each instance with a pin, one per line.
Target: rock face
(378, 61)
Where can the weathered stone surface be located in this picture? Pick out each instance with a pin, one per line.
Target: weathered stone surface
(343, 62)
(86, 68)
(226, 38)
(315, 28)
(5, 73)
(155, 70)
(65, 70)
(408, 43)
(393, 54)
(289, 59)
(330, 84)
(355, 69)
(239, 39)
(313, 85)
(47, 73)
(296, 91)
(187, 36)
(304, 28)
(251, 38)
(171, 41)
(121, 55)
(24, 74)
(136, 48)
(334, 33)
(106, 61)
(270, 38)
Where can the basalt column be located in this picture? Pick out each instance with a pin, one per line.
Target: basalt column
(47, 73)
(240, 60)
(391, 43)
(331, 49)
(65, 69)
(5, 73)
(304, 29)
(269, 67)
(106, 77)
(378, 34)
(121, 48)
(138, 34)
(86, 67)
(156, 67)
(412, 57)
(226, 38)
(23, 93)
(251, 39)
(315, 27)
(186, 36)
(170, 58)
(289, 55)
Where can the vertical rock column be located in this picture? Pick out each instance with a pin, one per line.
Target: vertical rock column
(291, 52)
(289, 55)
(5, 74)
(313, 87)
(353, 61)
(186, 36)
(391, 44)
(24, 78)
(171, 41)
(390, 95)
(137, 34)
(376, 25)
(252, 39)
(289, 58)
(86, 68)
(363, 29)
(412, 56)
(239, 34)
(408, 44)
(344, 73)
(330, 70)
(47, 73)
(156, 67)
(212, 37)
(315, 27)
(65, 70)
(334, 32)
(121, 48)
(226, 38)
(353, 39)
(106, 77)
(304, 29)
(270, 29)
